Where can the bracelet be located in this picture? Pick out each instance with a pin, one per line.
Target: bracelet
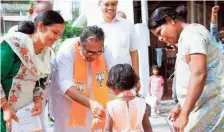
(4, 108)
(39, 99)
(3, 104)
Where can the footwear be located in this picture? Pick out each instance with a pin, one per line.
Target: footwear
(158, 111)
(153, 112)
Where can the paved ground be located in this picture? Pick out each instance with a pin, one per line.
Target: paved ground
(160, 123)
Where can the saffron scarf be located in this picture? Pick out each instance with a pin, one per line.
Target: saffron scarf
(99, 88)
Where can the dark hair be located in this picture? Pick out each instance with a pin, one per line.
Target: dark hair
(222, 28)
(181, 13)
(94, 32)
(159, 15)
(155, 67)
(48, 18)
(26, 27)
(122, 77)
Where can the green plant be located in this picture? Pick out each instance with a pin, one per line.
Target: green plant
(69, 31)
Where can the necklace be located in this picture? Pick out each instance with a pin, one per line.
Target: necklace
(127, 93)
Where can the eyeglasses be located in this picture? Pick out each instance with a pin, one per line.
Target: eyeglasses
(91, 53)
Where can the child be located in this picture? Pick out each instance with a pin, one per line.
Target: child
(127, 112)
(156, 88)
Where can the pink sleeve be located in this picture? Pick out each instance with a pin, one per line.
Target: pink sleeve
(162, 80)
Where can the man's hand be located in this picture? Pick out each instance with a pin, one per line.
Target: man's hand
(97, 109)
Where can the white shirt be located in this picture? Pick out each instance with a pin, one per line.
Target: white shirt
(120, 40)
(62, 80)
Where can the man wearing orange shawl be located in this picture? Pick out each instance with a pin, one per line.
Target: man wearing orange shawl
(78, 88)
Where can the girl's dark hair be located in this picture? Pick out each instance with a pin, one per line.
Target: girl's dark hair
(48, 18)
(122, 77)
(159, 15)
(94, 32)
(155, 67)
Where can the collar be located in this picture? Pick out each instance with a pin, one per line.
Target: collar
(116, 19)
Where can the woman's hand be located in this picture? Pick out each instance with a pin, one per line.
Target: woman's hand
(215, 10)
(37, 109)
(214, 14)
(8, 116)
(97, 109)
(174, 113)
(181, 122)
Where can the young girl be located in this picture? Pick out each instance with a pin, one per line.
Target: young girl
(127, 112)
(156, 88)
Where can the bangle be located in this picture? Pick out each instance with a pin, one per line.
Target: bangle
(3, 104)
(38, 99)
(6, 107)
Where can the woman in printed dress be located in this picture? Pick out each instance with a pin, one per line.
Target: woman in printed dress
(199, 71)
(25, 60)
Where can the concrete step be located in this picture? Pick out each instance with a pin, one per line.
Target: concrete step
(160, 124)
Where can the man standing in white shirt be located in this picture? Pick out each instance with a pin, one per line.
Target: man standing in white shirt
(121, 39)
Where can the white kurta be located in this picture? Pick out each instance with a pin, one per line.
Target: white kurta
(120, 40)
(62, 80)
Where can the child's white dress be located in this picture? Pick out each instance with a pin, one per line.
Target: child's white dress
(127, 118)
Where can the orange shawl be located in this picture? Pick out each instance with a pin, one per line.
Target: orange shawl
(99, 89)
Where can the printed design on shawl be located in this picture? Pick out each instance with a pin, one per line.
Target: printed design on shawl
(80, 86)
(100, 78)
(24, 52)
(14, 92)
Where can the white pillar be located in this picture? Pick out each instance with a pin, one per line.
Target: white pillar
(192, 11)
(65, 12)
(204, 12)
(143, 34)
(128, 8)
(144, 41)
(144, 11)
